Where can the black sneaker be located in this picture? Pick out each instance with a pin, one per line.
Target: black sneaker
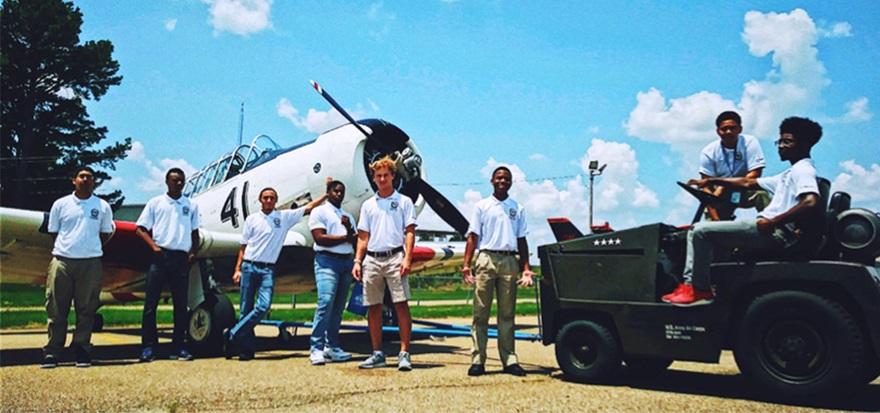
(147, 355)
(184, 355)
(83, 358)
(476, 370)
(49, 362)
(515, 370)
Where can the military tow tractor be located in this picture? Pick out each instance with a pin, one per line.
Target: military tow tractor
(803, 322)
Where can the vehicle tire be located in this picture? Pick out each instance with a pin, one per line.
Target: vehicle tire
(98, 323)
(206, 324)
(799, 345)
(872, 368)
(644, 366)
(587, 352)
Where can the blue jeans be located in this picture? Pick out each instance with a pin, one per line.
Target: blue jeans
(168, 266)
(255, 280)
(705, 239)
(333, 278)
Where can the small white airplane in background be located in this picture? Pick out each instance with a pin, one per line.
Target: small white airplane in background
(226, 192)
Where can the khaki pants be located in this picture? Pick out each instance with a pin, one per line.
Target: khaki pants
(78, 280)
(495, 272)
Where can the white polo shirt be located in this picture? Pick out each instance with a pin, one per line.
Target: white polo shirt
(171, 220)
(719, 162)
(264, 234)
(386, 219)
(498, 224)
(79, 223)
(329, 218)
(786, 187)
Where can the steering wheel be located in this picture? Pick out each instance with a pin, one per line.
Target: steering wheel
(704, 197)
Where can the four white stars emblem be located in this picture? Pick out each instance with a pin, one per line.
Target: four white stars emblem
(607, 241)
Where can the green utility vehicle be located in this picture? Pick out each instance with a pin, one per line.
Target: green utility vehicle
(803, 322)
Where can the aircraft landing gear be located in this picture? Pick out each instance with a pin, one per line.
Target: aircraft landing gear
(206, 324)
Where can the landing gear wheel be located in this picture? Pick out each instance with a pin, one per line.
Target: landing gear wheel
(587, 352)
(206, 324)
(98, 323)
(799, 344)
(643, 366)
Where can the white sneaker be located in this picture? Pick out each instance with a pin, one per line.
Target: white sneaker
(375, 360)
(317, 358)
(336, 354)
(403, 362)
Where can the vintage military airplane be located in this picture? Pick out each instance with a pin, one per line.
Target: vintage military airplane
(226, 192)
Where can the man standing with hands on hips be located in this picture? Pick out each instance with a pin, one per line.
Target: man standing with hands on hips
(169, 224)
(386, 236)
(498, 229)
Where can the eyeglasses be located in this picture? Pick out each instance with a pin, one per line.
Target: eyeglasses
(86, 176)
(783, 141)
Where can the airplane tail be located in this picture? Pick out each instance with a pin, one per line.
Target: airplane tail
(563, 229)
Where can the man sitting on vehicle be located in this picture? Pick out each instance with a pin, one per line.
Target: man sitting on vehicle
(795, 195)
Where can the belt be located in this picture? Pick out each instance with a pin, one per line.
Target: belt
(259, 264)
(511, 253)
(334, 254)
(384, 254)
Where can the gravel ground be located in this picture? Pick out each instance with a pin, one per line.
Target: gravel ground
(281, 379)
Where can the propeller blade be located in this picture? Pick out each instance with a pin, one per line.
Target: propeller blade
(438, 203)
(348, 117)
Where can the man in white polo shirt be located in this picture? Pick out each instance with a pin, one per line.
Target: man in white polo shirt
(733, 155)
(169, 224)
(386, 236)
(261, 241)
(334, 234)
(80, 223)
(498, 229)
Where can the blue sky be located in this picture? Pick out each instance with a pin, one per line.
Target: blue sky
(541, 86)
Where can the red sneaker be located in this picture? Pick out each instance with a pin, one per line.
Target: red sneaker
(674, 292)
(689, 297)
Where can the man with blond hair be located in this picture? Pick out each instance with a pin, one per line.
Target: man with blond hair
(386, 236)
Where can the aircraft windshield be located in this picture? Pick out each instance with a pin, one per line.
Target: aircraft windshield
(243, 158)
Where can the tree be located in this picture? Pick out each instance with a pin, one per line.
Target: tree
(46, 74)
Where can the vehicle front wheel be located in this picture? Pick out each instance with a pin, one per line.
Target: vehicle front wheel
(587, 352)
(799, 345)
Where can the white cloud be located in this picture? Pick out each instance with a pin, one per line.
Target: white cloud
(315, 121)
(857, 111)
(618, 185)
(242, 17)
(538, 157)
(170, 25)
(863, 184)
(154, 179)
(382, 21)
(841, 29)
(792, 84)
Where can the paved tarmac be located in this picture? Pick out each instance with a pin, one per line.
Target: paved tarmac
(281, 380)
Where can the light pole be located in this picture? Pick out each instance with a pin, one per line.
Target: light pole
(595, 171)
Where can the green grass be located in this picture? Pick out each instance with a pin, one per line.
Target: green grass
(18, 295)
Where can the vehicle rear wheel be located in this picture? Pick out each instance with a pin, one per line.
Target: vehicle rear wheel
(206, 324)
(587, 352)
(644, 366)
(800, 345)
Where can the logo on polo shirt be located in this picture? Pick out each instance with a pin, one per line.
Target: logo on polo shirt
(394, 205)
(277, 222)
(317, 167)
(94, 213)
(738, 156)
(185, 210)
(512, 213)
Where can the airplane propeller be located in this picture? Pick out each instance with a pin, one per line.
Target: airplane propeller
(408, 168)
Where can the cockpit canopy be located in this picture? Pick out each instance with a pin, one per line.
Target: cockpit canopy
(243, 158)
